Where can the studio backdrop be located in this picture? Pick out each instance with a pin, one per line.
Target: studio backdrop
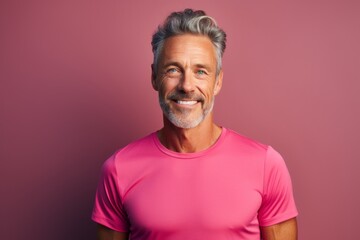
(75, 87)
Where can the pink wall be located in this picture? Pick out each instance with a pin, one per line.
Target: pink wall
(75, 86)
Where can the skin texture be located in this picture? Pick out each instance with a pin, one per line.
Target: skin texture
(286, 230)
(187, 72)
(104, 233)
(187, 69)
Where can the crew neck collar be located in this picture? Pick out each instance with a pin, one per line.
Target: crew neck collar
(174, 154)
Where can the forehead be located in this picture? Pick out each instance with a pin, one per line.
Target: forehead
(188, 47)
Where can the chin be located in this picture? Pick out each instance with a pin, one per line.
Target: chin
(184, 122)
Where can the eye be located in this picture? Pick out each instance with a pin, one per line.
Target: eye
(201, 72)
(172, 72)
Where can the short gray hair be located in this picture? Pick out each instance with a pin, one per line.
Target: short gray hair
(193, 22)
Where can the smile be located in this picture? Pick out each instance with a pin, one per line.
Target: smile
(186, 102)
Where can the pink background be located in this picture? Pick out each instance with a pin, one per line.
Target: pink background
(75, 86)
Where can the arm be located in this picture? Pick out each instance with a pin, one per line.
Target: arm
(286, 230)
(104, 233)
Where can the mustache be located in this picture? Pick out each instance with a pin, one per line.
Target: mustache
(187, 96)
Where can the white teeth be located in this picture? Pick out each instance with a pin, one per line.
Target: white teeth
(186, 102)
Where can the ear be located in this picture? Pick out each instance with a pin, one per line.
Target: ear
(153, 78)
(218, 83)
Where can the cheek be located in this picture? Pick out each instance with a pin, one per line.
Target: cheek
(164, 92)
(167, 85)
(207, 90)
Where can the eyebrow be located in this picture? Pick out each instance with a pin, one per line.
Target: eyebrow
(173, 63)
(205, 66)
(177, 64)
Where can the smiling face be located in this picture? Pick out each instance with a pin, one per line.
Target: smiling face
(186, 79)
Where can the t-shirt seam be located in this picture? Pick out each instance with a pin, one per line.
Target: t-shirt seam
(117, 178)
(200, 154)
(264, 173)
(278, 218)
(96, 217)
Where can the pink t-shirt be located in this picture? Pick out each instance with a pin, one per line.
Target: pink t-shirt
(224, 192)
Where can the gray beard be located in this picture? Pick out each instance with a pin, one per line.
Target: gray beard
(182, 121)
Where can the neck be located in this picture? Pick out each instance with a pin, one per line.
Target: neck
(189, 140)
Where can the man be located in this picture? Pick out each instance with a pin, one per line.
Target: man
(193, 179)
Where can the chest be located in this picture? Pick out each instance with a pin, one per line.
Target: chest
(193, 195)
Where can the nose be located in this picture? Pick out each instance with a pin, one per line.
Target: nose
(187, 83)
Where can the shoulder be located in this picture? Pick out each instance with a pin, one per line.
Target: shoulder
(143, 143)
(121, 162)
(253, 149)
(144, 146)
(242, 142)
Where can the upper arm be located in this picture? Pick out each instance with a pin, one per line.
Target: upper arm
(108, 207)
(278, 202)
(286, 230)
(104, 233)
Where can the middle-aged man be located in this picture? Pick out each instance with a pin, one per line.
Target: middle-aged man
(193, 179)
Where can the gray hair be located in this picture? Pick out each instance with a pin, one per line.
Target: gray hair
(189, 21)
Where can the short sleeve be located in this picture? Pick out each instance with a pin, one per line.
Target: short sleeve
(278, 202)
(108, 209)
